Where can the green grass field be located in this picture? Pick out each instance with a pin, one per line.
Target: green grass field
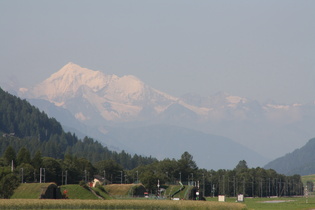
(288, 203)
(78, 192)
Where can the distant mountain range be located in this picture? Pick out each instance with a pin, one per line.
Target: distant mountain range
(123, 112)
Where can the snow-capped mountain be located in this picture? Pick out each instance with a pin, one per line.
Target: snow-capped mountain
(105, 101)
(85, 93)
(113, 98)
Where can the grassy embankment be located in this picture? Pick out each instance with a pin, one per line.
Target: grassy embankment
(77, 192)
(29, 190)
(118, 190)
(183, 194)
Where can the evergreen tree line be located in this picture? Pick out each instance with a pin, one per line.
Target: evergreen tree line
(21, 167)
(251, 182)
(254, 182)
(67, 143)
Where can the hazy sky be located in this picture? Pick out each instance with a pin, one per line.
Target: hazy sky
(257, 49)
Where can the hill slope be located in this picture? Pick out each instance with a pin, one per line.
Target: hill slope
(23, 125)
(300, 161)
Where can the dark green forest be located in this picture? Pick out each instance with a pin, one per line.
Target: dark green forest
(23, 125)
(34, 148)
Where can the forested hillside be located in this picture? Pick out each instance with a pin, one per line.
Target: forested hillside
(300, 161)
(23, 125)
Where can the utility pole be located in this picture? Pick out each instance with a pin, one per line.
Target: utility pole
(121, 177)
(137, 177)
(158, 185)
(244, 186)
(234, 187)
(66, 181)
(22, 169)
(223, 185)
(104, 177)
(280, 188)
(42, 175)
(203, 185)
(253, 193)
(269, 187)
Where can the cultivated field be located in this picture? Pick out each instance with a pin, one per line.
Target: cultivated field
(116, 204)
(290, 203)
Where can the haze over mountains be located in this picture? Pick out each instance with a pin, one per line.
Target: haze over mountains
(125, 113)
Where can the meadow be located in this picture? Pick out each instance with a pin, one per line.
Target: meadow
(285, 203)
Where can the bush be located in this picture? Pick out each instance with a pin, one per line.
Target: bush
(82, 183)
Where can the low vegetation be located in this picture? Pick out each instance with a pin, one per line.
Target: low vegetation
(117, 204)
(287, 203)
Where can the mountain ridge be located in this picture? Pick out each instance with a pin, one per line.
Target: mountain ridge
(300, 161)
(123, 95)
(118, 100)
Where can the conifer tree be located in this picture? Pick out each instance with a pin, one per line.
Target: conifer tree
(9, 156)
(23, 156)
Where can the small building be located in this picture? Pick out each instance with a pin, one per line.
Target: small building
(99, 180)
